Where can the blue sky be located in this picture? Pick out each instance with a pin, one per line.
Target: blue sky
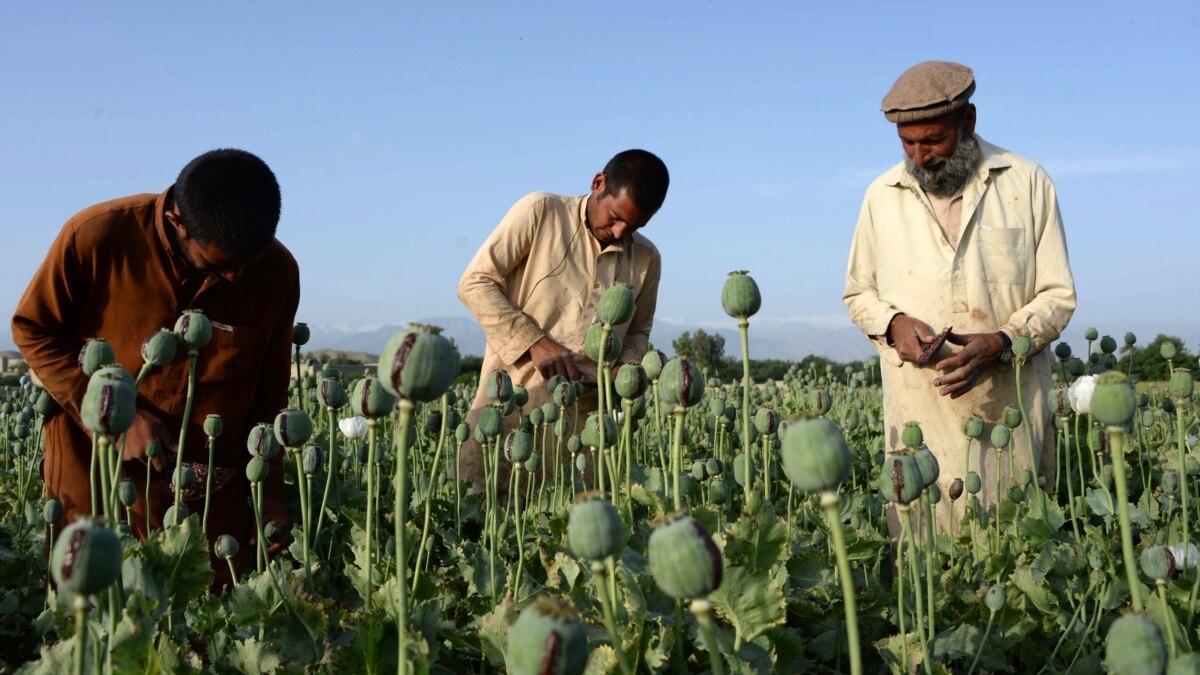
(402, 132)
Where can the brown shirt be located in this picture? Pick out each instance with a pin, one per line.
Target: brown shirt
(113, 272)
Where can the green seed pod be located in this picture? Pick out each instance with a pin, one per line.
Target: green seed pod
(973, 483)
(86, 558)
(821, 402)
(433, 423)
(581, 461)
(851, 420)
(1022, 346)
(547, 639)
(43, 403)
(127, 492)
(499, 386)
(549, 412)
(187, 478)
(1158, 563)
(815, 456)
(261, 442)
(273, 532)
(1001, 435)
(574, 444)
(95, 354)
(631, 381)
(900, 479)
(213, 426)
(591, 431)
(1170, 482)
(681, 383)
(1091, 334)
(956, 489)
(173, 517)
(1108, 345)
(684, 560)
(518, 446)
(226, 547)
(928, 463)
(564, 395)
(1167, 350)
(462, 433)
(1062, 350)
(995, 598)
(533, 463)
(714, 466)
(718, 492)
(1113, 402)
(52, 511)
(109, 405)
(653, 362)
(699, 471)
(1185, 664)
(1182, 384)
(370, 399)
(293, 428)
(536, 417)
(594, 530)
(562, 427)
(972, 426)
(934, 492)
(1026, 478)
(312, 458)
(911, 435)
(766, 420)
(193, 329)
(331, 393)
(257, 469)
(1016, 495)
(300, 334)
(616, 304)
(1130, 339)
(159, 349)
(418, 365)
(490, 423)
(739, 469)
(1012, 416)
(595, 342)
(1076, 367)
(553, 382)
(740, 296)
(1134, 647)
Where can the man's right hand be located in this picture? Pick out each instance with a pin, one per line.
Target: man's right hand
(552, 359)
(146, 428)
(909, 336)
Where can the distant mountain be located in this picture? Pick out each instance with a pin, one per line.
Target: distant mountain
(770, 338)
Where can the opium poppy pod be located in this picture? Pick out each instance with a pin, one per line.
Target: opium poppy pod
(418, 365)
(127, 492)
(632, 381)
(193, 329)
(972, 426)
(331, 393)
(928, 462)
(261, 442)
(293, 428)
(598, 348)
(956, 489)
(1113, 402)
(1091, 334)
(226, 546)
(1022, 346)
(616, 304)
(682, 383)
(1182, 385)
(549, 412)
(213, 426)
(312, 458)
(564, 394)
(740, 296)
(187, 478)
(490, 423)
(95, 354)
(911, 435)
(370, 399)
(973, 483)
(108, 406)
(684, 560)
(1158, 563)
(300, 334)
(1108, 344)
(86, 558)
(518, 445)
(995, 598)
(766, 420)
(547, 639)
(537, 417)
(591, 430)
(1000, 436)
(900, 479)
(1134, 646)
(1167, 349)
(1062, 350)
(520, 396)
(653, 361)
(52, 511)
(462, 432)
(815, 456)
(594, 530)
(1012, 416)
(159, 349)
(499, 387)
(257, 469)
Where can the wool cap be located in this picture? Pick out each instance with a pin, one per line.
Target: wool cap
(928, 90)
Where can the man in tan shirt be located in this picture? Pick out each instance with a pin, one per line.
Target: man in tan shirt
(967, 235)
(534, 284)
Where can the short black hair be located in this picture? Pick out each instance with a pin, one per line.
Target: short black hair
(230, 199)
(643, 174)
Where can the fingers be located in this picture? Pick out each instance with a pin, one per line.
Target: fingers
(956, 339)
(957, 382)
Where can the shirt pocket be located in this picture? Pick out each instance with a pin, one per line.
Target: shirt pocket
(1002, 252)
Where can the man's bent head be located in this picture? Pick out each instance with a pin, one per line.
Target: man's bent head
(229, 202)
(626, 194)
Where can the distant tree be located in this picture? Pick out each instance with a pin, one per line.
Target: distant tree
(706, 349)
(1148, 365)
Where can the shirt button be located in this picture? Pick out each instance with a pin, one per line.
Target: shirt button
(590, 305)
(596, 285)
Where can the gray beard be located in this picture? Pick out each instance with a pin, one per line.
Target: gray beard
(951, 174)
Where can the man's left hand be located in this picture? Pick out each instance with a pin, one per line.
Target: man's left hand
(961, 371)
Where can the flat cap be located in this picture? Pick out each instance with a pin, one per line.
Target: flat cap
(928, 90)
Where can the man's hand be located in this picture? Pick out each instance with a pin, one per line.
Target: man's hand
(146, 428)
(552, 359)
(909, 336)
(965, 367)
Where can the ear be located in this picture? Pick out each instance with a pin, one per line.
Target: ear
(969, 118)
(173, 218)
(599, 182)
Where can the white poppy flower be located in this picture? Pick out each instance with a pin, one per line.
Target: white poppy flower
(1080, 394)
(353, 427)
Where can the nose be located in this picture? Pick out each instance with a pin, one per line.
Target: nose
(230, 275)
(620, 229)
(921, 155)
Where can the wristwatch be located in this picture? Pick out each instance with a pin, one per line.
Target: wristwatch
(1005, 355)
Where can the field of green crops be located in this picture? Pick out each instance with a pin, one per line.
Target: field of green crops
(695, 526)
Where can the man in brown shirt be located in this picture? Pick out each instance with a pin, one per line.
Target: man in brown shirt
(125, 268)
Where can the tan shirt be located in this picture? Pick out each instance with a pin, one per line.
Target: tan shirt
(1009, 271)
(948, 211)
(540, 272)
